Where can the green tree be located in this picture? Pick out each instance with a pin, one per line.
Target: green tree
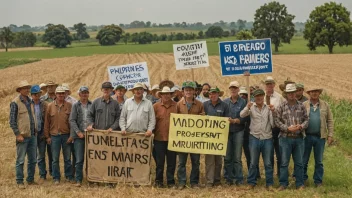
(24, 39)
(81, 31)
(145, 37)
(244, 35)
(226, 34)
(328, 25)
(134, 37)
(214, 32)
(241, 24)
(126, 37)
(109, 35)
(57, 35)
(273, 21)
(179, 36)
(200, 34)
(6, 37)
(163, 37)
(148, 24)
(156, 38)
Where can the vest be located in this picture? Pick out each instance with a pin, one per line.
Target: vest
(23, 120)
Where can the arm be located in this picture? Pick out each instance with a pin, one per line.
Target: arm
(91, 114)
(13, 118)
(73, 120)
(245, 112)
(123, 117)
(151, 122)
(246, 118)
(304, 125)
(115, 125)
(330, 122)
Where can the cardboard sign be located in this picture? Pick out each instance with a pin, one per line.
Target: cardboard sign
(191, 55)
(198, 134)
(128, 75)
(237, 57)
(117, 158)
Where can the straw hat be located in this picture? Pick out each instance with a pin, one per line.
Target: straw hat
(137, 85)
(290, 88)
(165, 89)
(243, 90)
(269, 79)
(43, 85)
(234, 84)
(50, 83)
(60, 89)
(22, 84)
(166, 82)
(314, 89)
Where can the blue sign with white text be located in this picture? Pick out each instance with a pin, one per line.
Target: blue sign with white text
(237, 57)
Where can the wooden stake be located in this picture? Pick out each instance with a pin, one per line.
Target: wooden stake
(247, 74)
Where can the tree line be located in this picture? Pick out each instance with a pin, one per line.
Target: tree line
(328, 25)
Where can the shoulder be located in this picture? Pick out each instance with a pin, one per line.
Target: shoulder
(228, 100)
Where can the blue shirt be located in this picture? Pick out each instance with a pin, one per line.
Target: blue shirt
(235, 109)
(220, 109)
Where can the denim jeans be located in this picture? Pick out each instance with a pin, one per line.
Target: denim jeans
(29, 147)
(79, 155)
(160, 148)
(276, 132)
(318, 146)
(266, 148)
(73, 161)
(294, 147)
(50, 158)
(247, 153)
(58, 142)
(181, 172)
(41, 157)
(233, 158)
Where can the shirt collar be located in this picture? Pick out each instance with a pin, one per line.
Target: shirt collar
(184, 101)
(103, 100)
(63, 104)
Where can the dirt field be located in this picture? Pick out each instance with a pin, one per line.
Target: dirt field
(331, 72)
(26, 49)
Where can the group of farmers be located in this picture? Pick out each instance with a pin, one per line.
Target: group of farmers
(46, 120)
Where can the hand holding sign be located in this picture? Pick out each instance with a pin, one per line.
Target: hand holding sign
(148, 133)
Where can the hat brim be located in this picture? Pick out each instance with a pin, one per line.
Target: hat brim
(37, 92)
(135, 88)
(221, 93)
(269, 82)
(167, 83)
(159, 93)
(18, 88)
(52, 85)
(233, 86)
(320, 90)
(291, 91)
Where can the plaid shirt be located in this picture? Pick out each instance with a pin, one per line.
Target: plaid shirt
(285, 117)
(14, 113)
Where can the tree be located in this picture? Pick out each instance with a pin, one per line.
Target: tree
(81, 31)
(145, 37)
(241, 24)
(273, 21)
(24, 39)
(109, 35)
(200, 34)
(163, 37)
(126, 37)
(214, 32)
(226, 34)
(134, 37)
(244, 35)
(328, 25)
(156, 38)
(148, 24)
(57, 35)
(6, 37)
(233, 32)
(179, 36)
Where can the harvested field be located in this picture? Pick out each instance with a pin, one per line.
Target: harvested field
(26, 49)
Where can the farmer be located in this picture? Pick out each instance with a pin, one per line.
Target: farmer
(43, 88)
(292, 119)
(260, 138)
(79, 123)
(320, 129)
(68, 97)
(213, 163)
(233, 159)
(50, 95)
(22, 123)
(299, 93)
(137, 114)
(177, 93)
(57, 133)
(189, 105)
(39, 112)
(154, 90)
(120, 96)
(163, 110)
(204, 95)
(274, 98)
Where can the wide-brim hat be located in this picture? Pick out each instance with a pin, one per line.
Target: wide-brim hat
(50, 83)
(234, 84)
(23, 84)
(155, 88)
(269, 79)
(166, 82)
(314, 89)
(258, 92)
(165, 89)
(217, 90)
(243, 90)
(137, 85)
(60, 89)
(107, 85)
(66, 86)
(43, 85)
(290, 88)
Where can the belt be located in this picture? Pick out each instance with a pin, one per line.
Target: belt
(294, 135)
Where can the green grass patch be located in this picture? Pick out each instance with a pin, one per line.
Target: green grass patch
(16, 61)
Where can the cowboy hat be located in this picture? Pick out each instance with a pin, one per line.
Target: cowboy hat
(269, 79)
(51, 83)
(22, 84)
(234, 84)
(60, 89)
(166, 82)
(290, 88)
(165, 89)
(314, 89)
(137, 85)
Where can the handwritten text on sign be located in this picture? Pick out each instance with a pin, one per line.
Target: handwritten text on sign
(248, 55)
(198, 134)
(128, 75)
(191, 55)
(116, 158)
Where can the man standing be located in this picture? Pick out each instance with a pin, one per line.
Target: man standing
(50, 95)
(43, 88)
(119, 96)
(104, 114)
(57, 133)
(189, 105)
(320, 129)
(260, 139)
(39, 112)
(163, 110)
(274, 98)
(22, 123)
(299, 93)
(79, 124)
(137, 114)
(154, 90)
(291, 117)
(204, 95)
(233, 159)
(213, 163)
(68, 96)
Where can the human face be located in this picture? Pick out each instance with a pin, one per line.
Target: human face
(106, 92)
(234, 91)
(314, 95)
(24, 91)
(259, 99)
(299, 92)
(36, 96)
(44, 89)
(188, 92)
(244, 96)
(198, 91)
(166, 97)
(205, 90)
(214, 96)
(291, 96)
(269, 87)
(84, 95)
(120, 92)
(51, 89)
(60, 96)
(138, 92)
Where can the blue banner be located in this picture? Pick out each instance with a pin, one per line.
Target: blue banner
(237, 57)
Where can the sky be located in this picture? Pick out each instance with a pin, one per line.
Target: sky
(99, 12)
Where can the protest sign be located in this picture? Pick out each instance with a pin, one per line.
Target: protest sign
(116, 158)
(128, 75)
(237, 57)
(198, 134)
(191, 55)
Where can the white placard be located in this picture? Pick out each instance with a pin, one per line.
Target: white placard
(191, 55)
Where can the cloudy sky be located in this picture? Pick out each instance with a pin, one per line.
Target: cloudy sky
(97, 12)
